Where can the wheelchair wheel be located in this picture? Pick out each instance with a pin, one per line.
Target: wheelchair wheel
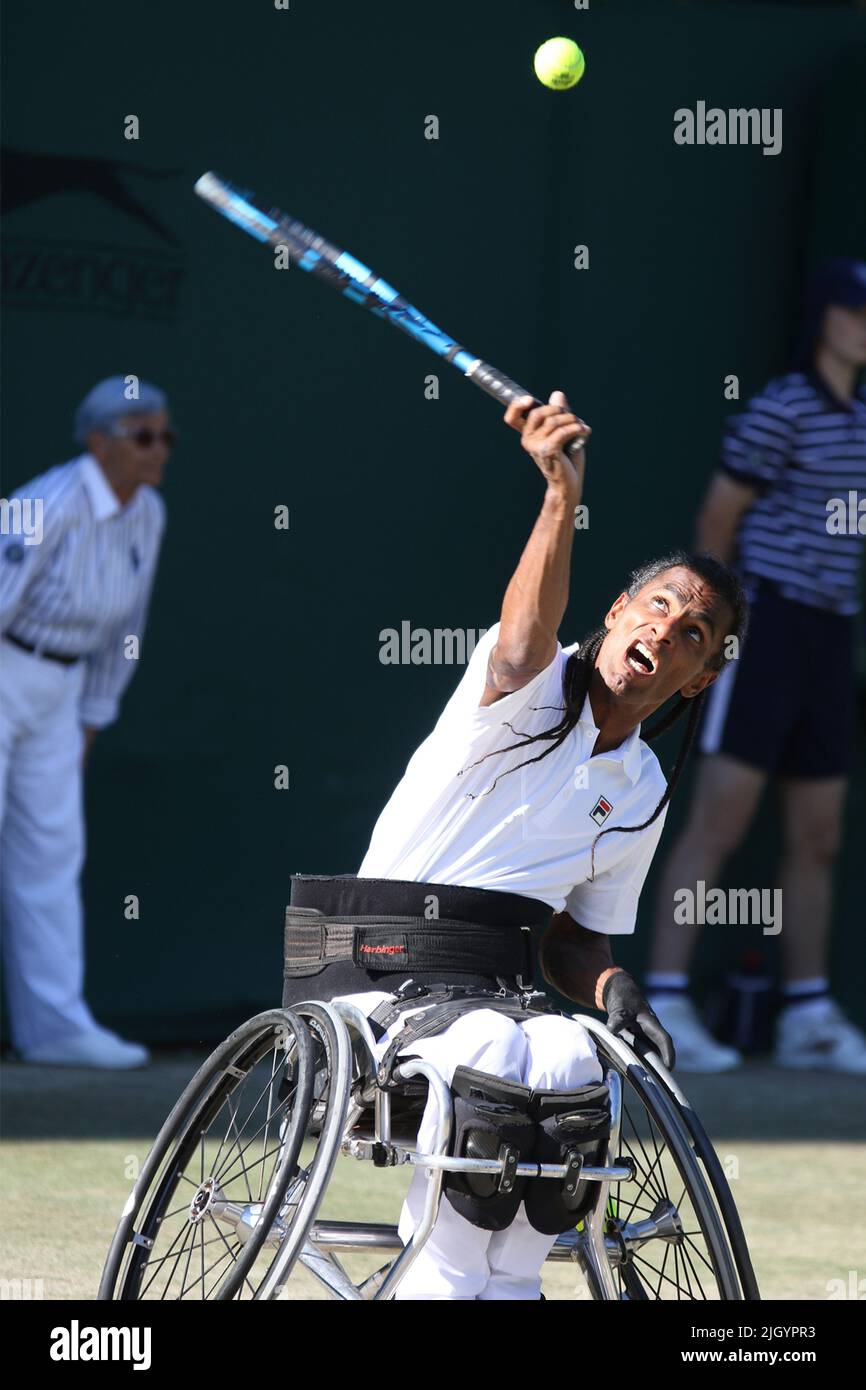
(203, 1207)
(663, 1234)
(724, 1197)
(332, 1064)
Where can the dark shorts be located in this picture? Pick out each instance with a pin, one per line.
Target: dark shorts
(787, 705)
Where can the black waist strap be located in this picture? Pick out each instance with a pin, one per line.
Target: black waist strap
(338, 923)
(403, 942)
(346, 895)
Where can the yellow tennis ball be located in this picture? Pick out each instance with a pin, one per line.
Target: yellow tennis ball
(559, 64)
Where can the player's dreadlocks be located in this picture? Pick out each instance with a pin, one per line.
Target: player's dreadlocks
(581, 664)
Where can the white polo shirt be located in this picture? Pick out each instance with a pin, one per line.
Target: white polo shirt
(532, 833)
(86, 586)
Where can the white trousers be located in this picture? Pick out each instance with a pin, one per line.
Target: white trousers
(460, 1261)
(41, 848)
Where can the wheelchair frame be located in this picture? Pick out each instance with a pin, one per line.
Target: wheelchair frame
(599, 1245)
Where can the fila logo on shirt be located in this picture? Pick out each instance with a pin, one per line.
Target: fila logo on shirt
(601, 810)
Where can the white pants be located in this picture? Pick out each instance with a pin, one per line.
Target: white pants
(41, 848)
(459, 1260)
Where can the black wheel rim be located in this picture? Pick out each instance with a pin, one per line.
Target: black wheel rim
(661, 1248)
(294, 1209)
(203, 1223)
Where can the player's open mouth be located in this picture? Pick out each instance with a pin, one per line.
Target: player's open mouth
(640, 659)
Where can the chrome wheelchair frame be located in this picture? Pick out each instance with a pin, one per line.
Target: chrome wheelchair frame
(261, 1212)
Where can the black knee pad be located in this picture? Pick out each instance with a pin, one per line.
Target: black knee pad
(491, 1121)
(572, 1127)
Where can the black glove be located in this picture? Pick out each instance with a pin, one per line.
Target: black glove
(627, 1008)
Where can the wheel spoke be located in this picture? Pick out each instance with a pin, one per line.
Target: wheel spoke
(189, 1232)
(659, 1192)
(227, 1254)
(229, 1251)
(189, 1256)
(684, 1254)
(235, 1093)
(635, 1206)
(662, 1270)
(687, 1234)
(241, 1151)
(220, 1144)
(688, 1266)
(265, 1089)
(661, 1171)
(167, 1256)
(263, 1127)
(178, 1257)
(637, 1138)
(218, 1176)
(666, 1277)
(177, 1211)
(274, 1065)
(658, 1195)
(224, 1179)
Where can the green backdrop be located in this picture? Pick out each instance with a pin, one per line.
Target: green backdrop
(263, 645)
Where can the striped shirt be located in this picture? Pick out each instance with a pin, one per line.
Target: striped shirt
(84, 588)
(801, 447)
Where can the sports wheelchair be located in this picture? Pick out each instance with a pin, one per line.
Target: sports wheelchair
(227, 1205)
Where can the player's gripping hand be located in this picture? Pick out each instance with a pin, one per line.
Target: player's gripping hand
(546, 431)
(627, 1008)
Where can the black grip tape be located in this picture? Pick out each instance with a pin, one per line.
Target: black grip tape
(502, 388)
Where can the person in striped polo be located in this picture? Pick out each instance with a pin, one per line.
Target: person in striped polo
(78, 556)
(790, 498)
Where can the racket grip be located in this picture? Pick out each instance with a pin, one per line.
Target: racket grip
(502, 388)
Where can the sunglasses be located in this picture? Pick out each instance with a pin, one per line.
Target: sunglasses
(144, 438)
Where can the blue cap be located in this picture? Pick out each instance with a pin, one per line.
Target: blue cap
(110, 399)
(840, 281)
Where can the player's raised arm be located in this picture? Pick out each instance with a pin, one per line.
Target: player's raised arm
(537, 595)
(546, 431)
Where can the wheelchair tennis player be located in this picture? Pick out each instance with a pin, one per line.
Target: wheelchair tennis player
(520, 835)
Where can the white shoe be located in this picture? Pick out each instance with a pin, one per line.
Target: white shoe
(97, 1048)
(696, 1048)
(821, 1039)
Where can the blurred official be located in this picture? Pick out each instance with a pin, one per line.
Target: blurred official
(788, 498)
(78, 556)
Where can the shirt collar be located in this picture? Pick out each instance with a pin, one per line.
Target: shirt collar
(628, 752)
(817, 382)
(103, 498)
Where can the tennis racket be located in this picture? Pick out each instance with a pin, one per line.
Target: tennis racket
(355, 280)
